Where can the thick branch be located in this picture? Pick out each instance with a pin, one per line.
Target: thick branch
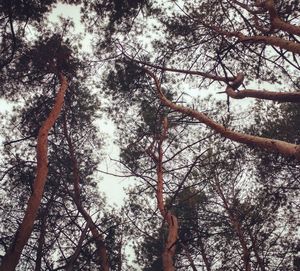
(12, 257)
(293, 97)
(259, 94)
(273, 145)
(276, 21)
(270, 40)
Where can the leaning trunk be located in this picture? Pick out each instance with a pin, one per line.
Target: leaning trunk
(22, 235)
(101, 248)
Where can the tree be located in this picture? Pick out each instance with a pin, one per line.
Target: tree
(218, 56)
(208, 197)
(50, 53)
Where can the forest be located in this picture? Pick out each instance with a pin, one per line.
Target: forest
(204, 96)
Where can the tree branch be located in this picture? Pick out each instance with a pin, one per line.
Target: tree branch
(272, 145)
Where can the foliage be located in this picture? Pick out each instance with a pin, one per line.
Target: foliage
(237, 205)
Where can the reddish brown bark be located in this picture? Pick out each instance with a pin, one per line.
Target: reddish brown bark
(270, 40)
(170, 245)
(288, 45)
(231, 90)
(293, 97)
(13, 255)
(102, 252)
(276, 21)
(282, 147)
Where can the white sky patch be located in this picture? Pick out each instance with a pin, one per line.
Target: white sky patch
(112, 186)
(67, 11)
(72, 12)
(5, 106)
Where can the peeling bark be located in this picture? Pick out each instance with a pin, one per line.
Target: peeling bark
(102, 252)
(272, 145)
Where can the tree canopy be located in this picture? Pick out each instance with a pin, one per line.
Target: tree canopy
(214, 179)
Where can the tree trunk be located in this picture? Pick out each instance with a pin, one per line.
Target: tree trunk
(170, 245)
(22, 235)
(41, 241)
(204, 255)
(102, 253)
(71, 262)
(236, 225)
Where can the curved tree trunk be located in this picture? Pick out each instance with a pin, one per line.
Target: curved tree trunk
(101, 248)
(13, 255)
(170, 245)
